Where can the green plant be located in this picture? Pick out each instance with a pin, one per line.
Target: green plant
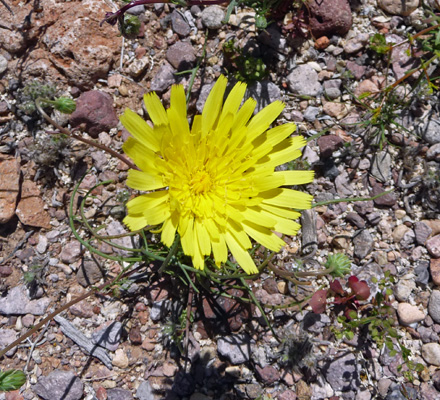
(244, 67)
(378, 318)
(11, 380)
(27, 96)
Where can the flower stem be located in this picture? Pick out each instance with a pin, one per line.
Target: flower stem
(171, 254)
(81, 139)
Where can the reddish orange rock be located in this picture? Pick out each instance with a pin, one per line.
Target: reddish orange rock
(9, 187)
(30, 210)
(322, 43)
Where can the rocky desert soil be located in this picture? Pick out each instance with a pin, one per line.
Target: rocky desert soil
(126, 344)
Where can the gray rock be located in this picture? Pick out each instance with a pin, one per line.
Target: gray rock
(236, 348)
(3, 64)
(431, 353)
(164, 78)
(303, 81)
(204, 93)
(431, 131)
(16, 302)
(363, 244)
(332, 88)
(119, 394)
(159, 309)
(59, 385)
(145, 392)
(357, 43)
(427, 335)
(264, 93)
(7, 336)
(116, 228)
(398, 393)
(212, 17)
(403, 290)
(422, 273)
(136, 10)
(434, 306)
(343, 185)
(108, 336)
(311, 113)
(89, 273)
(433, 153)
(179, 23)
(181, 56)
(71, 252)
(355, 219)
(422, 232)
(343, 373)
(100, 160)
(381, 167)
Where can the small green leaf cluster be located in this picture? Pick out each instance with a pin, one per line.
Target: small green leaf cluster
(11, 380)
(246, 67)
(28, 94)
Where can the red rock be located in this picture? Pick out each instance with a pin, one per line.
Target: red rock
(181, 56)
(435, 270)
(71, 41)
(433, 246)
(95, 109)
(5, 271)
(269, 375)
(30, 209)
(9, 187)
(328, 144)
(135, 335)
(15, 395)
(101, 393)
(330, 17)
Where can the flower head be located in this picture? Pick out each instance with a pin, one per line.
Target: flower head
(215, 183)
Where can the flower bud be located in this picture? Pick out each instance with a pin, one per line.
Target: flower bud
(129, 26)
(339, 263)
(64, 105)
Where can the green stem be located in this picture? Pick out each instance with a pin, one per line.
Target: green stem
(173, 251)
(350, 200)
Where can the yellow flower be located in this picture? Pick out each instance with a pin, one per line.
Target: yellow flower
(215, 184)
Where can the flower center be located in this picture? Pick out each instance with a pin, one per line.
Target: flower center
(201, 182)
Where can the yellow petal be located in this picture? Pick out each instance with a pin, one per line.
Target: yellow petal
(142, 156)
(139, 129)
(281, 132)
(264, 236)
(142, 181)
(287, 198)
(264, 118)
(241, 255)
(213, 105)
(287, 226)
(280, 211)
(292, 178)
(157, 215)
(202, 237)
(145, 201)
(233, 100)
(219, 250)
(169, 230)
(155, 109)
(135, 222)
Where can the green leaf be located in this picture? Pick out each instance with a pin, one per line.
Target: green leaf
(11, 380)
